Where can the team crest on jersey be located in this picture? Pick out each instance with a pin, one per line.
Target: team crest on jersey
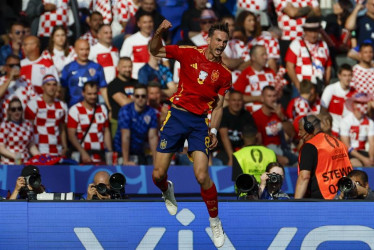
(202, 76)
(215, 75)
(147, 119)
(92, 71)
(163, 143)
(43, 71)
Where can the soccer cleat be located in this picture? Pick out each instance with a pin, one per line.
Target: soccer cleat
(170, 202)
(218, 234)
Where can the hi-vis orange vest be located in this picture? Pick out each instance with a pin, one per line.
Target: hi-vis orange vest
(333, 163)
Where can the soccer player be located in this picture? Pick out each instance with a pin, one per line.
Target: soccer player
(204, 81)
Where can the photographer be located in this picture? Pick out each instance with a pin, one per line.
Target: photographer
(106, 187)
(28, 185)
(357, 189)
(271, 183)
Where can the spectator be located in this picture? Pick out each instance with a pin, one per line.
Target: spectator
(16, 34)
(190, 23)
(234, 118)
(58, 49)
(155, 101)
(252, 159)
(121, 90)
(94, 21)
(207, 19)
(254, 78)
(258, 7)
(92, 193)
(105, 8)
(362, 26)
(156, 72)
(322, 160)
(81, 70)
(357, 129)
(12, 85)
(22, 188)
(272, 123)
(268, 189)
(302, 105)
(363, 72)
(16, 136)
(335, 95)
(308, 57)
(34, 67)
(137, 123)
(49, 117)
(88, 126)
(125, 10)
(136, 46)
(361, 188)
(249, 25)
(104, 53)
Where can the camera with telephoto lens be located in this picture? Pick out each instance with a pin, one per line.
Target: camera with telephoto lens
(347, 186)
(247, 187)
(117, 184)
(34, 180)
(274, 183)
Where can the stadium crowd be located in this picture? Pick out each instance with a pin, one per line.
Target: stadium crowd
(77, 78)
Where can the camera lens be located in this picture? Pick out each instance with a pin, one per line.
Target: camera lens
(34, 181)
(101, 189)
(346, 185)
(117, 181)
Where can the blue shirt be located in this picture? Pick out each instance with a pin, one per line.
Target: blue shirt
(278, 196)
(147, 74)
(6, 51)
(74, 75)
(138, 124)
(364, 29)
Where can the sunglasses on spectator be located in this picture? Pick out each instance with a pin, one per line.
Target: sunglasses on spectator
(18, 32)
(140, 96)
(11, 65)
(14, 109)
(207, 21)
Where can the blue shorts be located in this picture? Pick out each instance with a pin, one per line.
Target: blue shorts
(180, 125)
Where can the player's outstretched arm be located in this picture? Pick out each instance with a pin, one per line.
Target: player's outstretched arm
(155, 45)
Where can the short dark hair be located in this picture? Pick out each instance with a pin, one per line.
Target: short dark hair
(254, 48)
(95, 13)
(360, 174)
(140, 14)
(14, 24)
(125, 58)
(102, 26)
(306, 86)
(268, 87)
(154, 84)
(13, 57)
(90, 83)
(344, 66)
(366, 44)
(219, 26)
(274, 164)
(234, 91)
(249, 131)
(140, 86)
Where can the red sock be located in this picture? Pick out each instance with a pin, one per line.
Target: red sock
(161, 184)
(210, 199)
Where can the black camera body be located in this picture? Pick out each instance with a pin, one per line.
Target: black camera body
(347, 186)
(274, 183)
(117, 184)
(33, 180)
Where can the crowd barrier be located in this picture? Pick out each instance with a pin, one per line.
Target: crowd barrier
(63, 179)
(147, 225)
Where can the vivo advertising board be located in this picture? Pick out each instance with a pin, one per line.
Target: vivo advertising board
(147, 225)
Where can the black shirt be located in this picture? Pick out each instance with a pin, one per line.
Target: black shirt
(308, 161)
(119, 86)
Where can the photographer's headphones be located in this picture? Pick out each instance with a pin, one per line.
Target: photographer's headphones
(309, 126)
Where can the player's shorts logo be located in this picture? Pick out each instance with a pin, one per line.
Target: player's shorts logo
(202, 76)
(215, 75)
(163, 144)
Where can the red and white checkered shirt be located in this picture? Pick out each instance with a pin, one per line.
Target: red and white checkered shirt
(59, 59)
(251, 82)
(50, 19)
(236, 49)
(79, 118)
(292, 27)
(271, 44)
(17, 139)
(358, 130)
(333, 99)
(136, 47)
(105, 8)
(89, 38)
(363, 79)
(298, 106)
(298, 54)
(200, 40)
(252, 5)
(34, 71)
(47, 120)
(19, 88)
(124, 10)
(106, 57)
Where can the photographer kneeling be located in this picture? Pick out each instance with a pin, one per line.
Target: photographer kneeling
(271, 183)
(355, 186)
(28, 185)
(106, 187)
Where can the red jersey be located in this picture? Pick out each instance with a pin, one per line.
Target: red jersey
(201, 81)
(270, 127)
